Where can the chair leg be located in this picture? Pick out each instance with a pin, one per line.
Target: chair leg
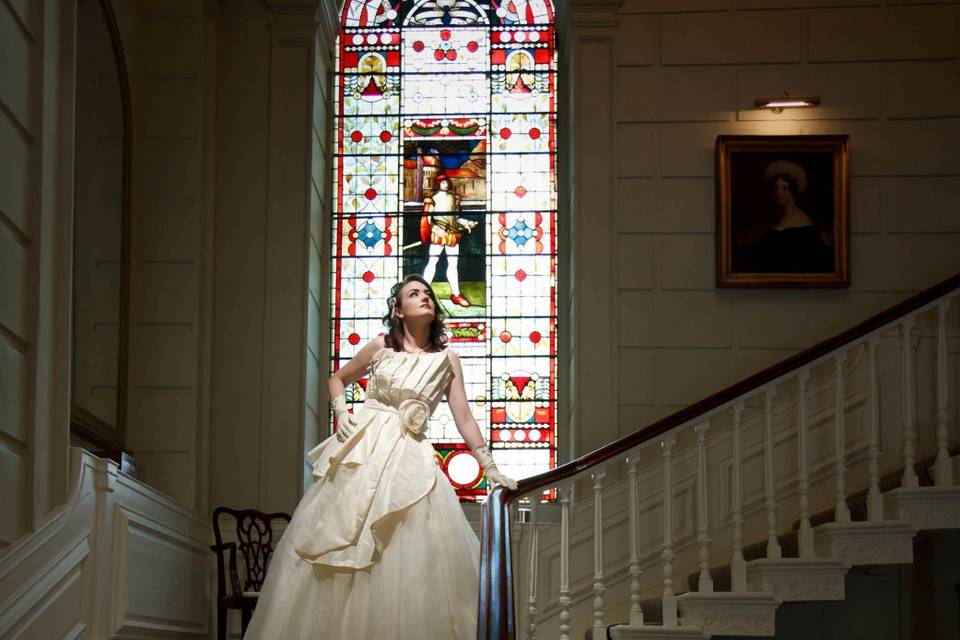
(221, 623)
(245, 614)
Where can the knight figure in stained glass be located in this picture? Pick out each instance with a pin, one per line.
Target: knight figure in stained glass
(442, 227)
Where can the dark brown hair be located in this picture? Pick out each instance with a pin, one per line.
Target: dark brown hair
(394, 335)
(789, 179)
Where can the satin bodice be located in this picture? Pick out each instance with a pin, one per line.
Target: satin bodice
(396, 376)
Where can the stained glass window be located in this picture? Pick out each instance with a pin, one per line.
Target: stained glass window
(445, 140)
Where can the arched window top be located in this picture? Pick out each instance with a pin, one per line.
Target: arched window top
(380, 14)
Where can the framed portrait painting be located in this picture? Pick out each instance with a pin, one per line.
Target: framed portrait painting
(783, 211)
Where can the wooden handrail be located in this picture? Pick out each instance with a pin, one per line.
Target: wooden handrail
(496, 593)
(738, 389)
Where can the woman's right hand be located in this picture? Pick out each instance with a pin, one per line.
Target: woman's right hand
(346, 427)
(346, 421)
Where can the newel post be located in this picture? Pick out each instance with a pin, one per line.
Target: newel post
(496, 616)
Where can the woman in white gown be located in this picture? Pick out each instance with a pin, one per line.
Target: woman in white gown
(378, 546)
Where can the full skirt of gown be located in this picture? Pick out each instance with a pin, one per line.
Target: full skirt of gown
(379, 546)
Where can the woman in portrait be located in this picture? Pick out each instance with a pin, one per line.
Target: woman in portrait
(793, 243)
(379, 546)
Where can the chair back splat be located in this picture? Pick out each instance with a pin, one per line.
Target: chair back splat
(251, 533)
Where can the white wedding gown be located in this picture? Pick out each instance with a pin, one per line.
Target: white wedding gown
(378, 547)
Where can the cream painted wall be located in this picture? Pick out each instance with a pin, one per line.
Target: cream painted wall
(36, 163)
(168, 63)
(18, 130)
(268, 331)
(681, 73)
(220, 365)
(223, 104)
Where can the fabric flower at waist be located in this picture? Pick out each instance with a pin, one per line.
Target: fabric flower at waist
(414, 414)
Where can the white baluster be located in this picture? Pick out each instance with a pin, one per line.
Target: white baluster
(703, 538)
(534, 551)
(909, 425)
(805, 533)
(874, 497)
(565, 562)
(738, 566)
(770, 495)
(599, 628)
(944, 468)
(669, 597)
(636, 611)
(841, 512)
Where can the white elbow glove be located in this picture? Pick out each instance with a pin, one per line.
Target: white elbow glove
(483, 456)
(346, 421)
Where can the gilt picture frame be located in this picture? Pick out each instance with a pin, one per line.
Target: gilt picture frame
(783, 211)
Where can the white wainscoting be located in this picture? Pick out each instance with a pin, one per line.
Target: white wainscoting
(118, 560)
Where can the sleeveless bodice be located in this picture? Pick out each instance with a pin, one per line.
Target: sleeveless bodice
(396, 376)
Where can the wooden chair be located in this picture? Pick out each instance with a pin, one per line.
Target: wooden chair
(255, 542)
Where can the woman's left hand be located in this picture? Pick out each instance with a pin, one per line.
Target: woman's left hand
(496, 478)
(484, 457)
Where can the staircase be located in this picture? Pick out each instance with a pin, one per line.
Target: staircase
(764, 496)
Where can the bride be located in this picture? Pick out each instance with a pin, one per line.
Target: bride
(379, 547)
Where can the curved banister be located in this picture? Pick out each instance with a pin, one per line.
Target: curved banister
(496, 592)
(738, 389)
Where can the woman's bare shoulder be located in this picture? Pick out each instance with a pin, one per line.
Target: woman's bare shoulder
(453, 357)
(373, 349)
(362, 361)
